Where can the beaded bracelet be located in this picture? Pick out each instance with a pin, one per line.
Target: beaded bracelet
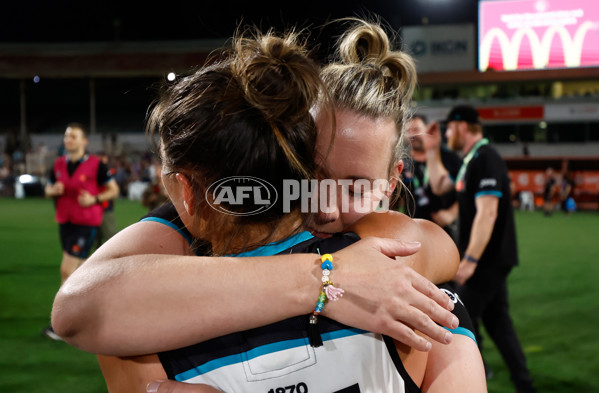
(327, 292)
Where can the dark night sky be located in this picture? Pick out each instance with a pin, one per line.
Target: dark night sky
(121, 104)
(76, 21)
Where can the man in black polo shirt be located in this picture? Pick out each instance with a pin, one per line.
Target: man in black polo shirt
(486, 235)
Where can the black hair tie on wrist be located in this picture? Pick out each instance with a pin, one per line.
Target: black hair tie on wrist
(470, 258)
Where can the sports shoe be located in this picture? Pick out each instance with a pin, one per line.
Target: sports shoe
(49, 332)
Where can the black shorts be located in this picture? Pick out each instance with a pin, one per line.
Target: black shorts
(77, 240)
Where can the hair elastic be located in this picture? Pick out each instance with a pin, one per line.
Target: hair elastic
(470, 258)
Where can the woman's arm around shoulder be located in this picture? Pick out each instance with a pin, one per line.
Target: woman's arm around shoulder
(392, 297)
(126, 298)
(438, 258)
(130, 285)
(119, 271)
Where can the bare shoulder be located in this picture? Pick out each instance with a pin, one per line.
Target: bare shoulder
(394, 225)
(437, 259)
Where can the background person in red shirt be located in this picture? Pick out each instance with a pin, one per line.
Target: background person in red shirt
(80, 183)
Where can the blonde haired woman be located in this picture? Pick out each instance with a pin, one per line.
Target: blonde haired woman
(388, 374)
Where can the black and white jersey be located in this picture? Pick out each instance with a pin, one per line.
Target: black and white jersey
(278, 358)
(167, 214)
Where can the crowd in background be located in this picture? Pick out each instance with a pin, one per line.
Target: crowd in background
(137, 175)
(131, 170)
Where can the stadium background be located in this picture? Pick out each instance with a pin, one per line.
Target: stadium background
(98, 63)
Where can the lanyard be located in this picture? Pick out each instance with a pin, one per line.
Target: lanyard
(469, 157)
(416, 181)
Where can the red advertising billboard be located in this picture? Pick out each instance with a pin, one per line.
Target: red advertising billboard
(501, 113)
(538, 34)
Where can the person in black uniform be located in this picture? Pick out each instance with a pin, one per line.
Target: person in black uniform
(423, 201)
(486, 238)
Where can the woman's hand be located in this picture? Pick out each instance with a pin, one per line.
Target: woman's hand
(385, 296)
(432, 138)
(465, 271)
(169, 386)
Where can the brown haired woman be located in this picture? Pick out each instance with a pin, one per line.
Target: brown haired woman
(198, 126)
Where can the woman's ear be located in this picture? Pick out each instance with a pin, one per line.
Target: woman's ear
(188, 194)
(394, 178)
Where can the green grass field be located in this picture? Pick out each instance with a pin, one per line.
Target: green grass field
(555, 304)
